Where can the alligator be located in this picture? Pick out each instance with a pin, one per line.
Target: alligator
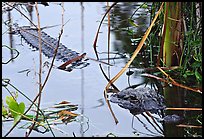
(70, 57)
(141, 100)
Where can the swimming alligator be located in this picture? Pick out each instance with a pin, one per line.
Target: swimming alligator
(70, 57)
(142, 100)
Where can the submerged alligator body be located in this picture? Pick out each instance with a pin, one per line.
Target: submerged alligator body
(141, 100)
(30, 35)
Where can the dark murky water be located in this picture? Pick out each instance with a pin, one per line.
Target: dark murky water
(85, 87)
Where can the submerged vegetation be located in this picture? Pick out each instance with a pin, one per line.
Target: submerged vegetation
(167, 51)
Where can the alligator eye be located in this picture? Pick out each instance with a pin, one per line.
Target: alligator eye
(133, 98)
(126, 97)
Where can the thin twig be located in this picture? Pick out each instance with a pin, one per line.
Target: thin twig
(55, 52)
(40, 68)
(22, 14)
(188, 126)
(52, 63)
(94, 45)
(174, 83)
(185, 109)
(96, 38)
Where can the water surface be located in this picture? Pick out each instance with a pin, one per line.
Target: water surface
(83, 87)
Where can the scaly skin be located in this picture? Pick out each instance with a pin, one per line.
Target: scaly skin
(30, 35)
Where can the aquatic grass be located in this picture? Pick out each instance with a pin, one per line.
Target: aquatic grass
(182, 25)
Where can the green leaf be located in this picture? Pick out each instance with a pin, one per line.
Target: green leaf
(16, 109)
(185, 76)
(17, 118)
(21, 107)
(198, 76)
(197, 42)
(4, 111)
(13, 106)
(145, 6)
(196, 64)
(9, 100)
(130, 32)
(188, 72)
(132, 23)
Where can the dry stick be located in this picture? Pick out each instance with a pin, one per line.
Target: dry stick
(96, 38)
(46, 79)
(94, 45)
(150, 115)
(130, 61)
(63, 66)
(166, 74)
(40, 69)
(174, 83)
(185, 109)
(152, 123)
(154, 69)
(188, 126)
(55, 53)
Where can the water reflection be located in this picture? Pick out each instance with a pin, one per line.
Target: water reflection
(82, 73)
(125, 34)
(158, 128)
